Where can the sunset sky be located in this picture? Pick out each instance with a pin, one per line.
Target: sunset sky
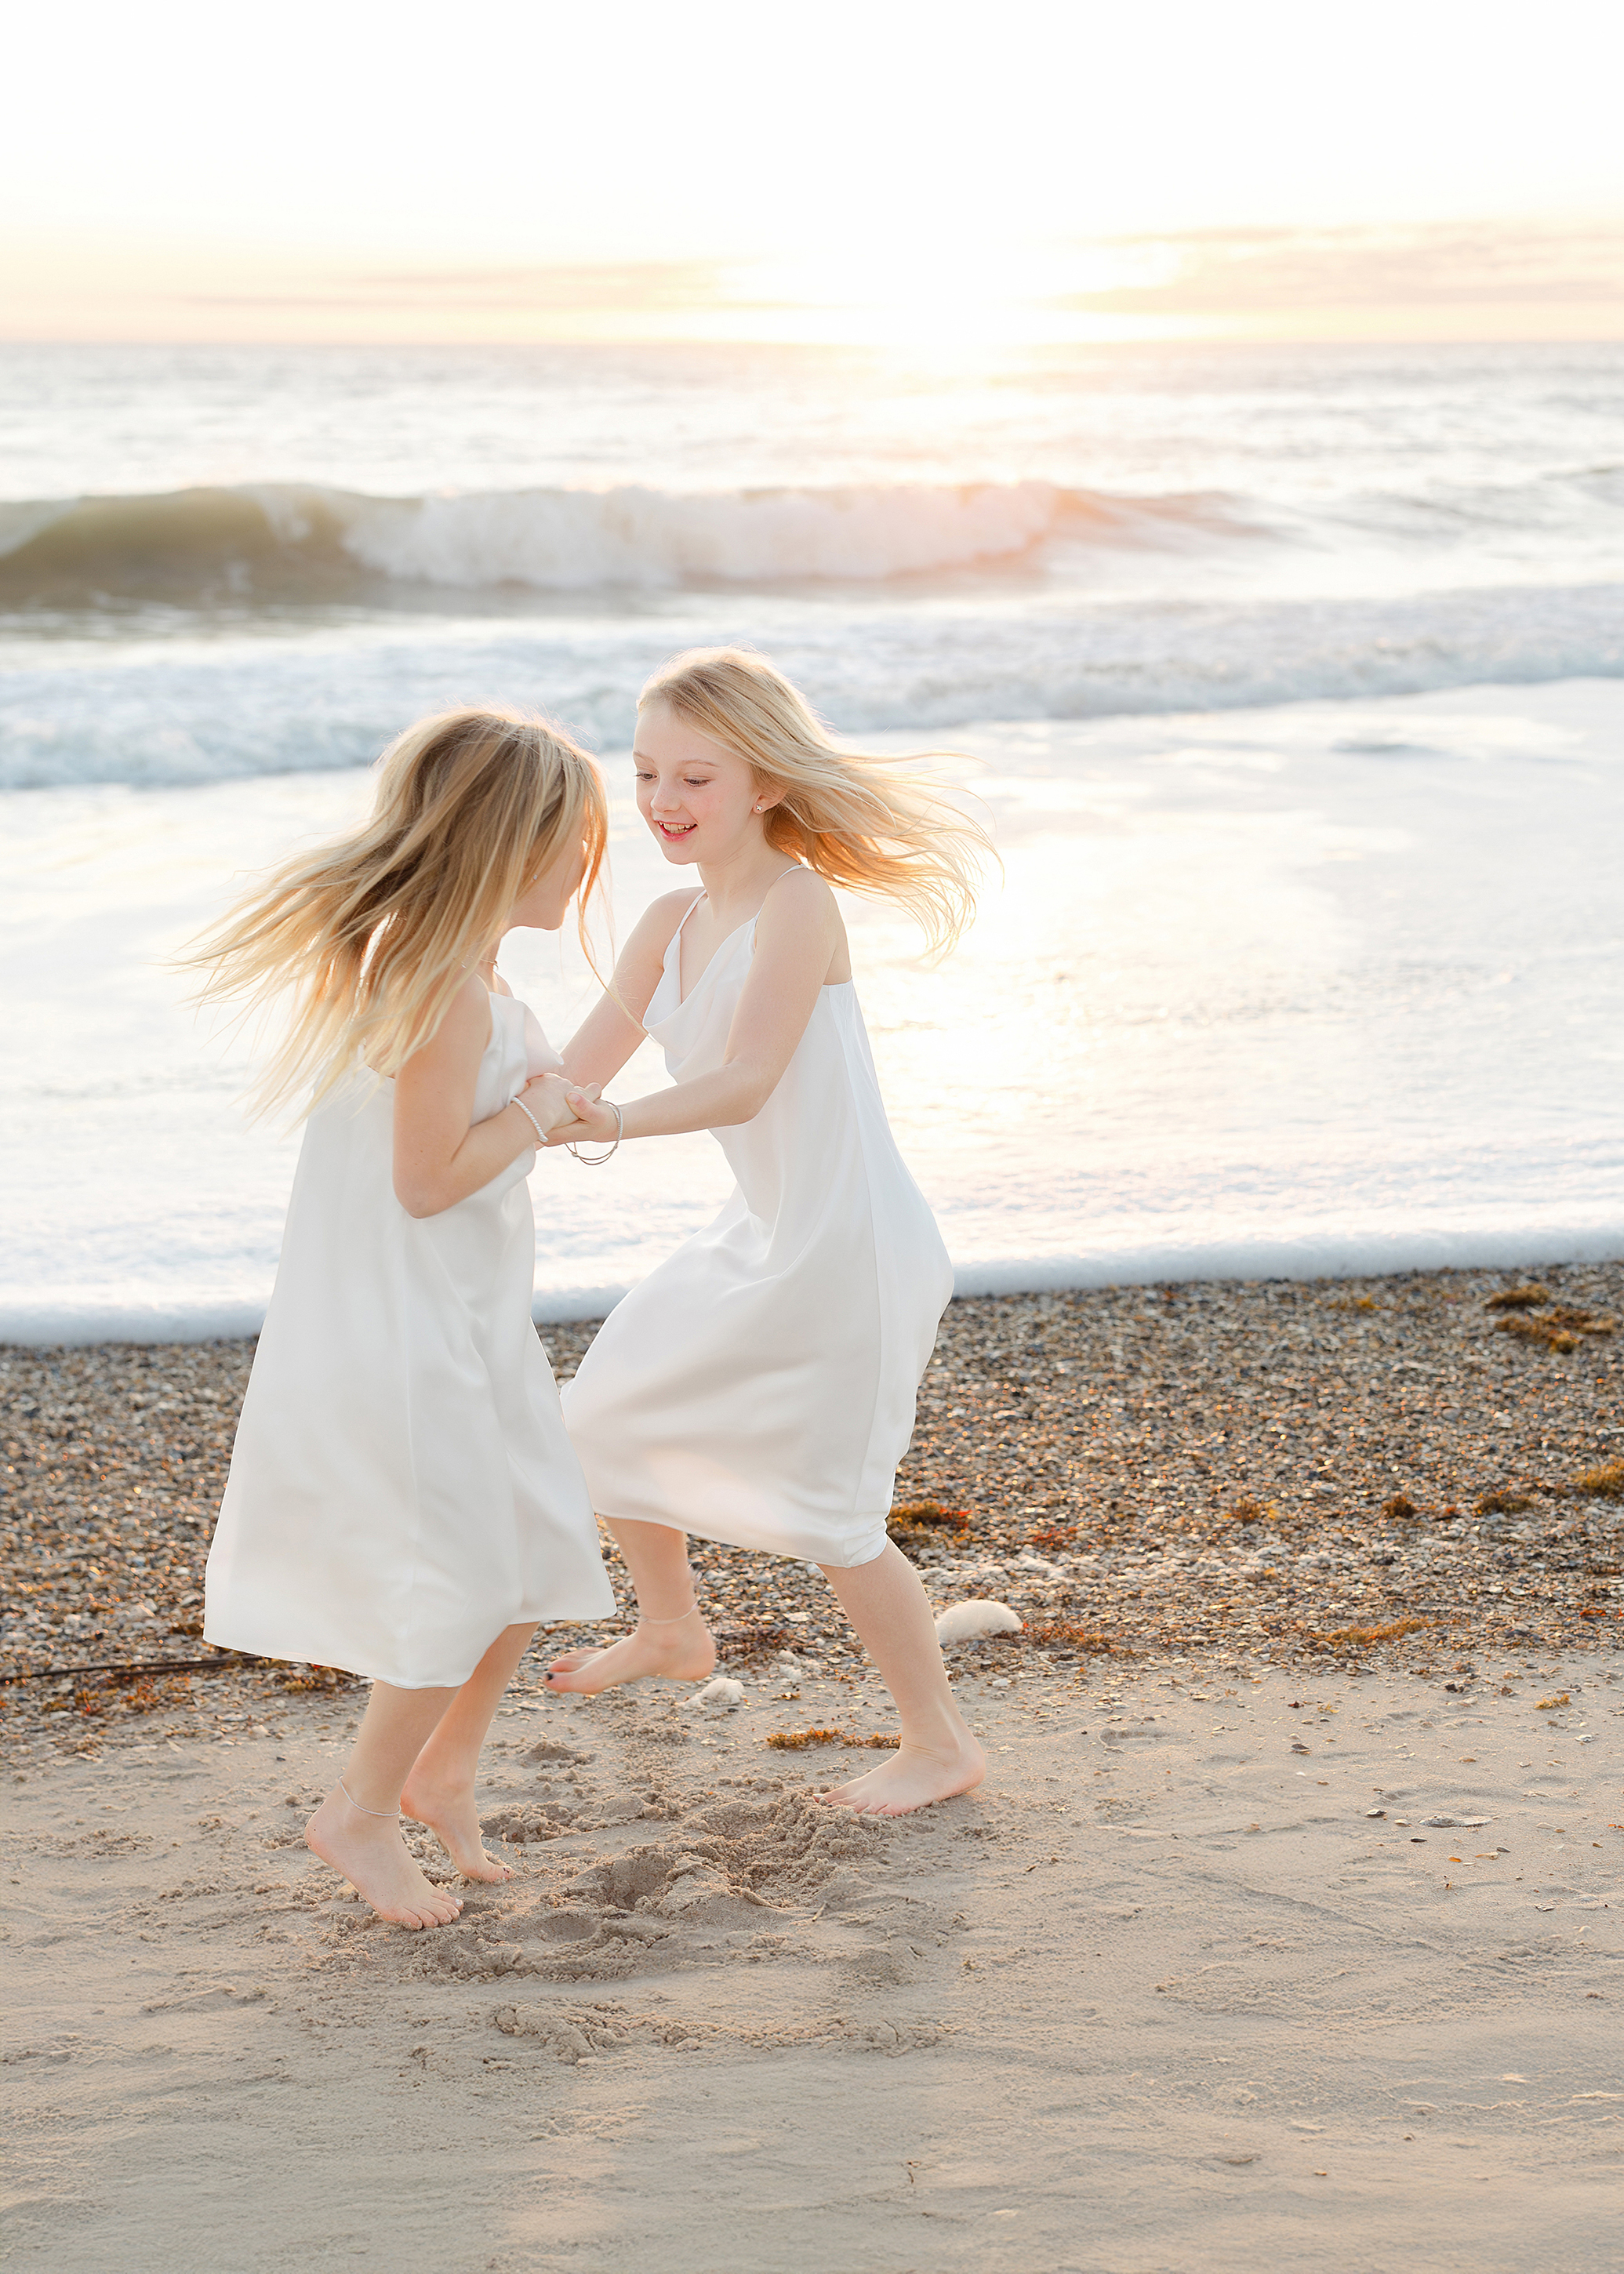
(853, 172)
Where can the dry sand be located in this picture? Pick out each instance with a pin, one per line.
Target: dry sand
(1167, 1996)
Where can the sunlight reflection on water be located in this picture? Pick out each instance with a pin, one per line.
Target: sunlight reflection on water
(1316, 988)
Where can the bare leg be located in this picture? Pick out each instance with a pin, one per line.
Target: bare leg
(670, 1640)
(439, 1789)
(358, 1835)
(938, 1756)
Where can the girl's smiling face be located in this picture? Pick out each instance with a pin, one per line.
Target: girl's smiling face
(701, 802)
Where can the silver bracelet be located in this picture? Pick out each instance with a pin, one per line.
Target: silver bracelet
(597, 1160)
(541, 1134)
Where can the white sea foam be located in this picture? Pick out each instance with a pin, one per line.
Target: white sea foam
(179, 710)
(1327, 1251)
(102, 1313)
(572, 540)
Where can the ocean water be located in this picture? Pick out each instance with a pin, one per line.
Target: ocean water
(1293, 681)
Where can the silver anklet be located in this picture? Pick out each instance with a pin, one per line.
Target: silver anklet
(356, 1804)
(668, 1623)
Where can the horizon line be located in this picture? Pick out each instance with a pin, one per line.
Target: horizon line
(1194, 337)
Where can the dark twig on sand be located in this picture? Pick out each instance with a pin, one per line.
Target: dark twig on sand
(223, 1664)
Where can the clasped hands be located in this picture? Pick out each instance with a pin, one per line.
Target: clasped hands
(571, 1112)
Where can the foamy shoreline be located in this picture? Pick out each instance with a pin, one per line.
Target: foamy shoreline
(1288, 1262)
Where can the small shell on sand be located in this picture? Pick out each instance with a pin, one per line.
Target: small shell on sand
(965, 1621)
(722, 1692)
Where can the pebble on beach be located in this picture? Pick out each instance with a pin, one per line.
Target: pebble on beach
(966, 1622)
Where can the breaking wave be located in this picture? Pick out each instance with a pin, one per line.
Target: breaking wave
(274, 543)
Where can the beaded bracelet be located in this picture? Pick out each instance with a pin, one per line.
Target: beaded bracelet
(541, 1134)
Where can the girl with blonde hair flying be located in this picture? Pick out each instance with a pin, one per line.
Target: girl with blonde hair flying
(759, 1386)
(403, 1501)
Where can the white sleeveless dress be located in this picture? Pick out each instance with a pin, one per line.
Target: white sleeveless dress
(758, 1387)
(401, 1486)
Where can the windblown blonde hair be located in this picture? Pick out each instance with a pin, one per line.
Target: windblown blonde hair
(863, 822)
(372, 936)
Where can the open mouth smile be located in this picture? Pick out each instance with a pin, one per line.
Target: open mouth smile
(676, 829)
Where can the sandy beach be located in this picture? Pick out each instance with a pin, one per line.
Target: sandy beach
(1220, 1970)
(1282, 1933)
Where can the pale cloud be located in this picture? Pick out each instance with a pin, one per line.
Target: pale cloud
(1239, 272)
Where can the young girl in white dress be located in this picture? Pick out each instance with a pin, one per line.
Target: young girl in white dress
(403, 1501)
(759, 1386)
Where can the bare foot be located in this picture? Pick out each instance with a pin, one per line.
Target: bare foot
(373, 1857)
(677, 1650)
(913, 1778)
(453, 1817)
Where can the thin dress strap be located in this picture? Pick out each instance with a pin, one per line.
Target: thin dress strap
(793, 870)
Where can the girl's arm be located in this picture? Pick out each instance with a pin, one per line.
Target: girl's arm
(613, 1028)
(441, 1153)
(796, 935)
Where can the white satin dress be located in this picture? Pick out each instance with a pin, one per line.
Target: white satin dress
(758, 1387)
(402, 1486)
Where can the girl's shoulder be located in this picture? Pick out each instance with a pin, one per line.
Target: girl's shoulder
(460, 1038)
(799, 929)
(797, 898)
(472, 1000)
(638, 966)
(659, 920)
(469, 1015)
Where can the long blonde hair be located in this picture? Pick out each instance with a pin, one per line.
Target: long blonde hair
(371, 936)
(858, 821)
